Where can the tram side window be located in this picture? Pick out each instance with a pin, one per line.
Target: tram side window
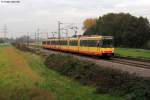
(95, 43)
(53, 42)
(73, 43)
(64, 42)
(83, 43)
(48, 42)
(90, 43)
(60, 42)
(56, 42)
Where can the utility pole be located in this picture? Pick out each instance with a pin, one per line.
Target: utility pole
(53, 34)
(75, 30)
(28, 38)
(59, 34)
(66, 31)
(5, 33)
(35, 38)
(38, 38)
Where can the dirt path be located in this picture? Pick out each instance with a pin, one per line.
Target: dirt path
(20, 64)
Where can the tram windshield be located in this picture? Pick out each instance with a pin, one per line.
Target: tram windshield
(106, 43)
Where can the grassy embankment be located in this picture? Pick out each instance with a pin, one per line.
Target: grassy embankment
(23, 76)
(133, 53)
(110, 81)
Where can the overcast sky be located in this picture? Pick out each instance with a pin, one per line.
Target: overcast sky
(28, 15)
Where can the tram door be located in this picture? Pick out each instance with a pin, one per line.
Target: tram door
(93, 46)
(99, 47)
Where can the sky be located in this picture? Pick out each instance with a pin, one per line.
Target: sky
(28, 15)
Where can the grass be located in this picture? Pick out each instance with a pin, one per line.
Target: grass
(133, 53)
(63, 87)
(24, 76)
(16, 76)
(4, 45)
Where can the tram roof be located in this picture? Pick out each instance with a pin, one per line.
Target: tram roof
(82, 38)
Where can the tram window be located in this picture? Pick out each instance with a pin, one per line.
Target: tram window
(60, 43)
(92, 43)
(53, 42)
(57, 42)
(84, 43)
(107, 43)
(64, 42)
(48, 42)
(89, 43)
(73, 43)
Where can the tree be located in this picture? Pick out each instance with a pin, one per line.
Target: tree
(128, 30)
(89, 23)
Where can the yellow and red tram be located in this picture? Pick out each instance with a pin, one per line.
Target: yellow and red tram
(89, 45)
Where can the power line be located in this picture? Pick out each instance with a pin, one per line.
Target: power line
(67, 26)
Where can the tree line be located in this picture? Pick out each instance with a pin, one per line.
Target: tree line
(128, 31)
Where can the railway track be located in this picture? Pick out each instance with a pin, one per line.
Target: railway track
(141, 63)
(132, 66)
(134, 59)
(135, 63)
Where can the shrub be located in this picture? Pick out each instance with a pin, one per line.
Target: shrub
(106, 80)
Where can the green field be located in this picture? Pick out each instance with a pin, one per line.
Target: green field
(23, 76)
(133, 53)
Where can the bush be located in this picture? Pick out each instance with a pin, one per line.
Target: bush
(72, 67)
(24, 47)
(106, 80)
